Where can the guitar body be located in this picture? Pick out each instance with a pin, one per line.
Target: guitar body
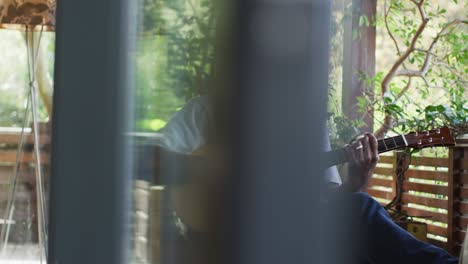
(199, 201)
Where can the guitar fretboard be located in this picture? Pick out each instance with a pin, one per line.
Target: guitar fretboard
(338, 156)
(391, 143)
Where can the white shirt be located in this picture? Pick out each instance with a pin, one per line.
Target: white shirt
(187, 129)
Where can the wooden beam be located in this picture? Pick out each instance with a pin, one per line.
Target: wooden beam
(429, 215)
(380, 194)
(463, 193)
(359, 58)
(429, 161)
(380, 182)
(462, 222)
(427, 188)
(407, 198)
(386, 159)
(437, 243)
(427, 175)
(384, 171)
(9, 156)
(437, 230)
(14, 138)
(461, 207)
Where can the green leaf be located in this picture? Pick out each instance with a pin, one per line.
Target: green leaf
(387, 99)
(430, 108)
(363, 20)
(361, 101)
(441, 108)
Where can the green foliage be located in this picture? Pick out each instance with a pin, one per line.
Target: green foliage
(154, 100)
(342, 130)
(152, 124)
(438, 96)
(190, 37)
(175, 58)
(11, 113)
(153, 21)
(336, 60)
(14, 76)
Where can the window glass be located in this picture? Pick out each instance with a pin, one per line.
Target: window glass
(21, 199)
(175, 181)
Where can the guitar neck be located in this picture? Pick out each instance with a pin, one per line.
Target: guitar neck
(339, 156)
(392, 143)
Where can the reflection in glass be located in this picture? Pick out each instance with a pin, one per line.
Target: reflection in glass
(179, 171)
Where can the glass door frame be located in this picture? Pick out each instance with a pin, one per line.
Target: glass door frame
(90, 181)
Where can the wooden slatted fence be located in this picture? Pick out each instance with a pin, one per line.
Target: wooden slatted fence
(435, 191)
(382, 184)
(24, 229)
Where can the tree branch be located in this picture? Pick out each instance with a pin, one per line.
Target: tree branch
(416, 73)
(453, 23)
(387, 11)
(425, 81)
(449, 68)
(391, 74)
(421, 9)
(404, 90)
(395, 70)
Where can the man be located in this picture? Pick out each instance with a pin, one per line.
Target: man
(379, 239)
(383, 240)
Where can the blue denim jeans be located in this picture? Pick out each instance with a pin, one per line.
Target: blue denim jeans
(386, 242)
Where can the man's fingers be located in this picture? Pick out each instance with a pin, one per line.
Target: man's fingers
(356, 148)
(374, 146)
(366, 150)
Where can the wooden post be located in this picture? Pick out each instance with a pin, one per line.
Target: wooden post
(452, 184)
(400, 164)
(457, 210)
(156, 218)
(359, 58)
(394, 175)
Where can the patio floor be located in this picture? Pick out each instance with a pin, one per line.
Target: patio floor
(21, 254)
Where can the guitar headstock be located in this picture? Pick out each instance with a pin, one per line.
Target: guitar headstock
(430, 138)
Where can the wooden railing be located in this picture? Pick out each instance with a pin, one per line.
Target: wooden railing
(434, 191)
(24, 224)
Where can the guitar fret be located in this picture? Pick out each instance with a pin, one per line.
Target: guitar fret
(385, 144)
(390, 143)
(394, 142)
(404, 139)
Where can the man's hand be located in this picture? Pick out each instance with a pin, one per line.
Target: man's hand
(363, 156)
